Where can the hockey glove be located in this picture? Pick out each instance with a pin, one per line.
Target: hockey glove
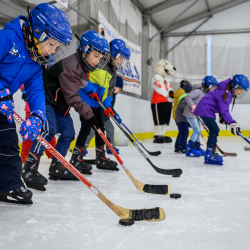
(6, 104)
(171, 93)
(221, 119)
(93, 122)
(235, 128)
(92, 94)
(108, 112)
(31, 128)
(118, 118)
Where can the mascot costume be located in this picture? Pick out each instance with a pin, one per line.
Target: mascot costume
(162, 99)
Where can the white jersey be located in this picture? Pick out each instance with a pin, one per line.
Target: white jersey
(161, 88)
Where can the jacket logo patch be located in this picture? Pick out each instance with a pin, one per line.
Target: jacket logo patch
(14, 50)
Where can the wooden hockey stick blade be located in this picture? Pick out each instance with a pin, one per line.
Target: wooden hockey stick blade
(229, 154)
(153, 189)
(247, 148)
(151, 214)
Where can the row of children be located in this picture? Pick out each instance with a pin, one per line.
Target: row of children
(204, 101)
(30, 55)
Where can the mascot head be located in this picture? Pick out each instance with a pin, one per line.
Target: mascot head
(164, 68)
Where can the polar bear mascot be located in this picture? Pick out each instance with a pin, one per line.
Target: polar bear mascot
(162, 99)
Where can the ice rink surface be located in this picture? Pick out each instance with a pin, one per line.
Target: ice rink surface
(213, 213)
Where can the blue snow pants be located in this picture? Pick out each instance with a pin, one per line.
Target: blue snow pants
(56, 123)
(10, 161)
(181, 140)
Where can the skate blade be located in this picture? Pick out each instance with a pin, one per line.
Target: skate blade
(13, 201)
(109, 169)
(39, 187)
(55, 178)
(211, 163)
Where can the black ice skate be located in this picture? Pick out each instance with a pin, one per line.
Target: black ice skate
(19, 196)
(104, 163)
(58, 172)
(158, 139)
(30, 174)
(78, 162)
(167, 139)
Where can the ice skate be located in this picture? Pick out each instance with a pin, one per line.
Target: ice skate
(104, 163)
(21, 195)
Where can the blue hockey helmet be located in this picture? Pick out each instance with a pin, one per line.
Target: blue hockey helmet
(208, 82)
(47, 23)
(119, 48)
(240, 81)
(92, 40)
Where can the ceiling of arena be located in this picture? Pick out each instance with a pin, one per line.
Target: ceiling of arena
(161, 13)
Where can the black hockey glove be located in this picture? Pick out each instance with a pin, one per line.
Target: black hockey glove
(171, 93)
(235, 128)
(221, 119)
(93, 122)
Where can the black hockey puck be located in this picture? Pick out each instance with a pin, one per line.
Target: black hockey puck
(176, 175)
(126, 222)
(176, 196)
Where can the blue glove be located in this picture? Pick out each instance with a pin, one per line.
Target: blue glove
(118, 118)
(6, 104)
(31, 128)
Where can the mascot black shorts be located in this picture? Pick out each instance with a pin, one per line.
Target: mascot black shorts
(161, 113)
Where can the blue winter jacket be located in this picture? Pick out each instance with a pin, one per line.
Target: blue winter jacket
(16, 68)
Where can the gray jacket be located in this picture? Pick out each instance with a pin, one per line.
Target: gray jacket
(179, 111)
(193, 98)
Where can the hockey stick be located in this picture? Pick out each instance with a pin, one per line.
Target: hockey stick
(174, 172)
(156, 153)
(145, 188)
(151, 214)
(222, 152)
(244, 138)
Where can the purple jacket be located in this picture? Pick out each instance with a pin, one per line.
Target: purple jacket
(213, 103)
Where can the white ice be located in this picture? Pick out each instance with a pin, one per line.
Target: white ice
(213, 213)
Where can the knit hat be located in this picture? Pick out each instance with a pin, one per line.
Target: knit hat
(188, 88)
(119, 82)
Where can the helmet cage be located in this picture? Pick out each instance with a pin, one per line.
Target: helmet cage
(51, 54)
(240, 96)
(122, 65)
(102, 61)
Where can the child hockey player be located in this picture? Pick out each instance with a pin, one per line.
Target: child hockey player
(162, 99)
(62, 83)
(199, 90)
(104, 82)
(218, 101)
(109, 127)
(182, 123)
(178, 93)
(26, 43)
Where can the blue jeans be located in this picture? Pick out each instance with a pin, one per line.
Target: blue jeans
(213, 130)
(56, 123)
(196, 126)
(181, 140)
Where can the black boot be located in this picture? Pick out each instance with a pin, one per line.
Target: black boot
(78, 162)
(158, 139)
(30, 174)
(58, 172)
(104, 163)
(167, 139)
(20, 196)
